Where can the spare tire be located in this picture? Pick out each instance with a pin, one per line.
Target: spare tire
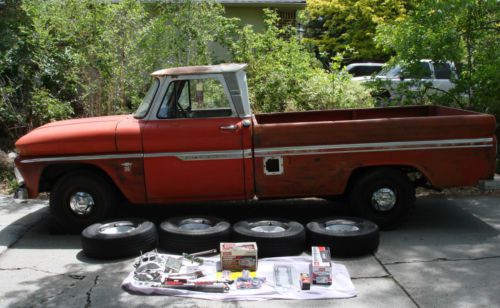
(193, 234)
(274, 237)
(346, 236)
(119, 238)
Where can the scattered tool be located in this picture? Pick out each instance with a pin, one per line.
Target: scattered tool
(193, 257)
(213, 288)
(173, 265)
(192, 275)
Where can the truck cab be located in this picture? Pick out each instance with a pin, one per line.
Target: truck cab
(197, 129)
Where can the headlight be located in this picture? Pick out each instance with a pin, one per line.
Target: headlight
(19, 176)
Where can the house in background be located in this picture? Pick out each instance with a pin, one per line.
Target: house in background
(251, 11)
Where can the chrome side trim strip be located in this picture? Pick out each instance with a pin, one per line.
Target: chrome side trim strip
(373, 147)
(289, 151)
(203, 155)
(369, 150)
(81, 157)
(247, 153)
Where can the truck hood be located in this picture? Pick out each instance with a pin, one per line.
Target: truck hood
(72, 137)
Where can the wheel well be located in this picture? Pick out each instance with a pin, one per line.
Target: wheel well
(52, 173)
(416, 176)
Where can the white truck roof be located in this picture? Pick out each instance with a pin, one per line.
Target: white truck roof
(204, 69)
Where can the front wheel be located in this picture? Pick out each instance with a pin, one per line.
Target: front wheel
(80, 199)
(384, 196)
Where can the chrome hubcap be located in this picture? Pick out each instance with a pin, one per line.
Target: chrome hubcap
(269, 227)
(117, 228)
(195, 224)
(81, 203)
(341, 225)
(384, 199)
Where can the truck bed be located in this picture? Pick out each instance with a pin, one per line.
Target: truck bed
(321, 149)
(360, 114)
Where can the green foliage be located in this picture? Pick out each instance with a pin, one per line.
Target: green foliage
(284, 76)
(348, 26)
(7, 178)
(91, 57)
(47, 108)
(463, 31)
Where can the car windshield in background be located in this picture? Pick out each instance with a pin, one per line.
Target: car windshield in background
(391, 72)
(364, 71)
(146, 102)
(360, 69)
(421, 70)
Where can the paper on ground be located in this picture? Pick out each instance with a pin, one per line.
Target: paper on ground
(342, 286)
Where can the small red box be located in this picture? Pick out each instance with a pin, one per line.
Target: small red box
(305, 281)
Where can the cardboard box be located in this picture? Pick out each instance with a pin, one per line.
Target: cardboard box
(321, 265)
(236, 257)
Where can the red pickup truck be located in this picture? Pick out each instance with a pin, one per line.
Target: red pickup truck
(195, 138)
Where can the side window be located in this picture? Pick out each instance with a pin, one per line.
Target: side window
(442, 70)
(195, 98)
(425, 70)
(421, 70)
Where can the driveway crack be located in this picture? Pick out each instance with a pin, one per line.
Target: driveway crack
(89, 292)
(371, 277)
(441, 260)
(397, 282)
(28, 268)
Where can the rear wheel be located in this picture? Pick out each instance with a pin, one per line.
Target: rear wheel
(80, 199)
(384, 196)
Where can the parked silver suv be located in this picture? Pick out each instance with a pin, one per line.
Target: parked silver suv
(429, 78)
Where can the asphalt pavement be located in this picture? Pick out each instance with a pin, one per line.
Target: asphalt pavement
(446, 255)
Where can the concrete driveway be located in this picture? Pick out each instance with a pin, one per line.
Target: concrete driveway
(446, 255)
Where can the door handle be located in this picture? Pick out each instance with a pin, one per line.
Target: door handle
(227, 128)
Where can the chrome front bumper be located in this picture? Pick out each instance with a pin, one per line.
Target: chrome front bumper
(21, 195)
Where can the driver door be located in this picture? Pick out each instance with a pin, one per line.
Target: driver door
(193, 149)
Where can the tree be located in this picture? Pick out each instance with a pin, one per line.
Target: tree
(89, 57)
(463, 31)
(349, 26)
(284, 76)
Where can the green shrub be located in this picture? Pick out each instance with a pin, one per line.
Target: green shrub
(285, 76)
(462, 31)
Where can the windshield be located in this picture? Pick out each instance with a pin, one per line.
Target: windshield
(391, 72)
(148, 99)
(420, 70)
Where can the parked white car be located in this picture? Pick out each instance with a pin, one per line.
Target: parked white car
(433, 76)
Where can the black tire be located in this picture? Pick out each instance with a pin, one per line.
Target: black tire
(351, 237)
(287, 242)
(102, 192)
(183, 234)
(98, 242)
(389, 180)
